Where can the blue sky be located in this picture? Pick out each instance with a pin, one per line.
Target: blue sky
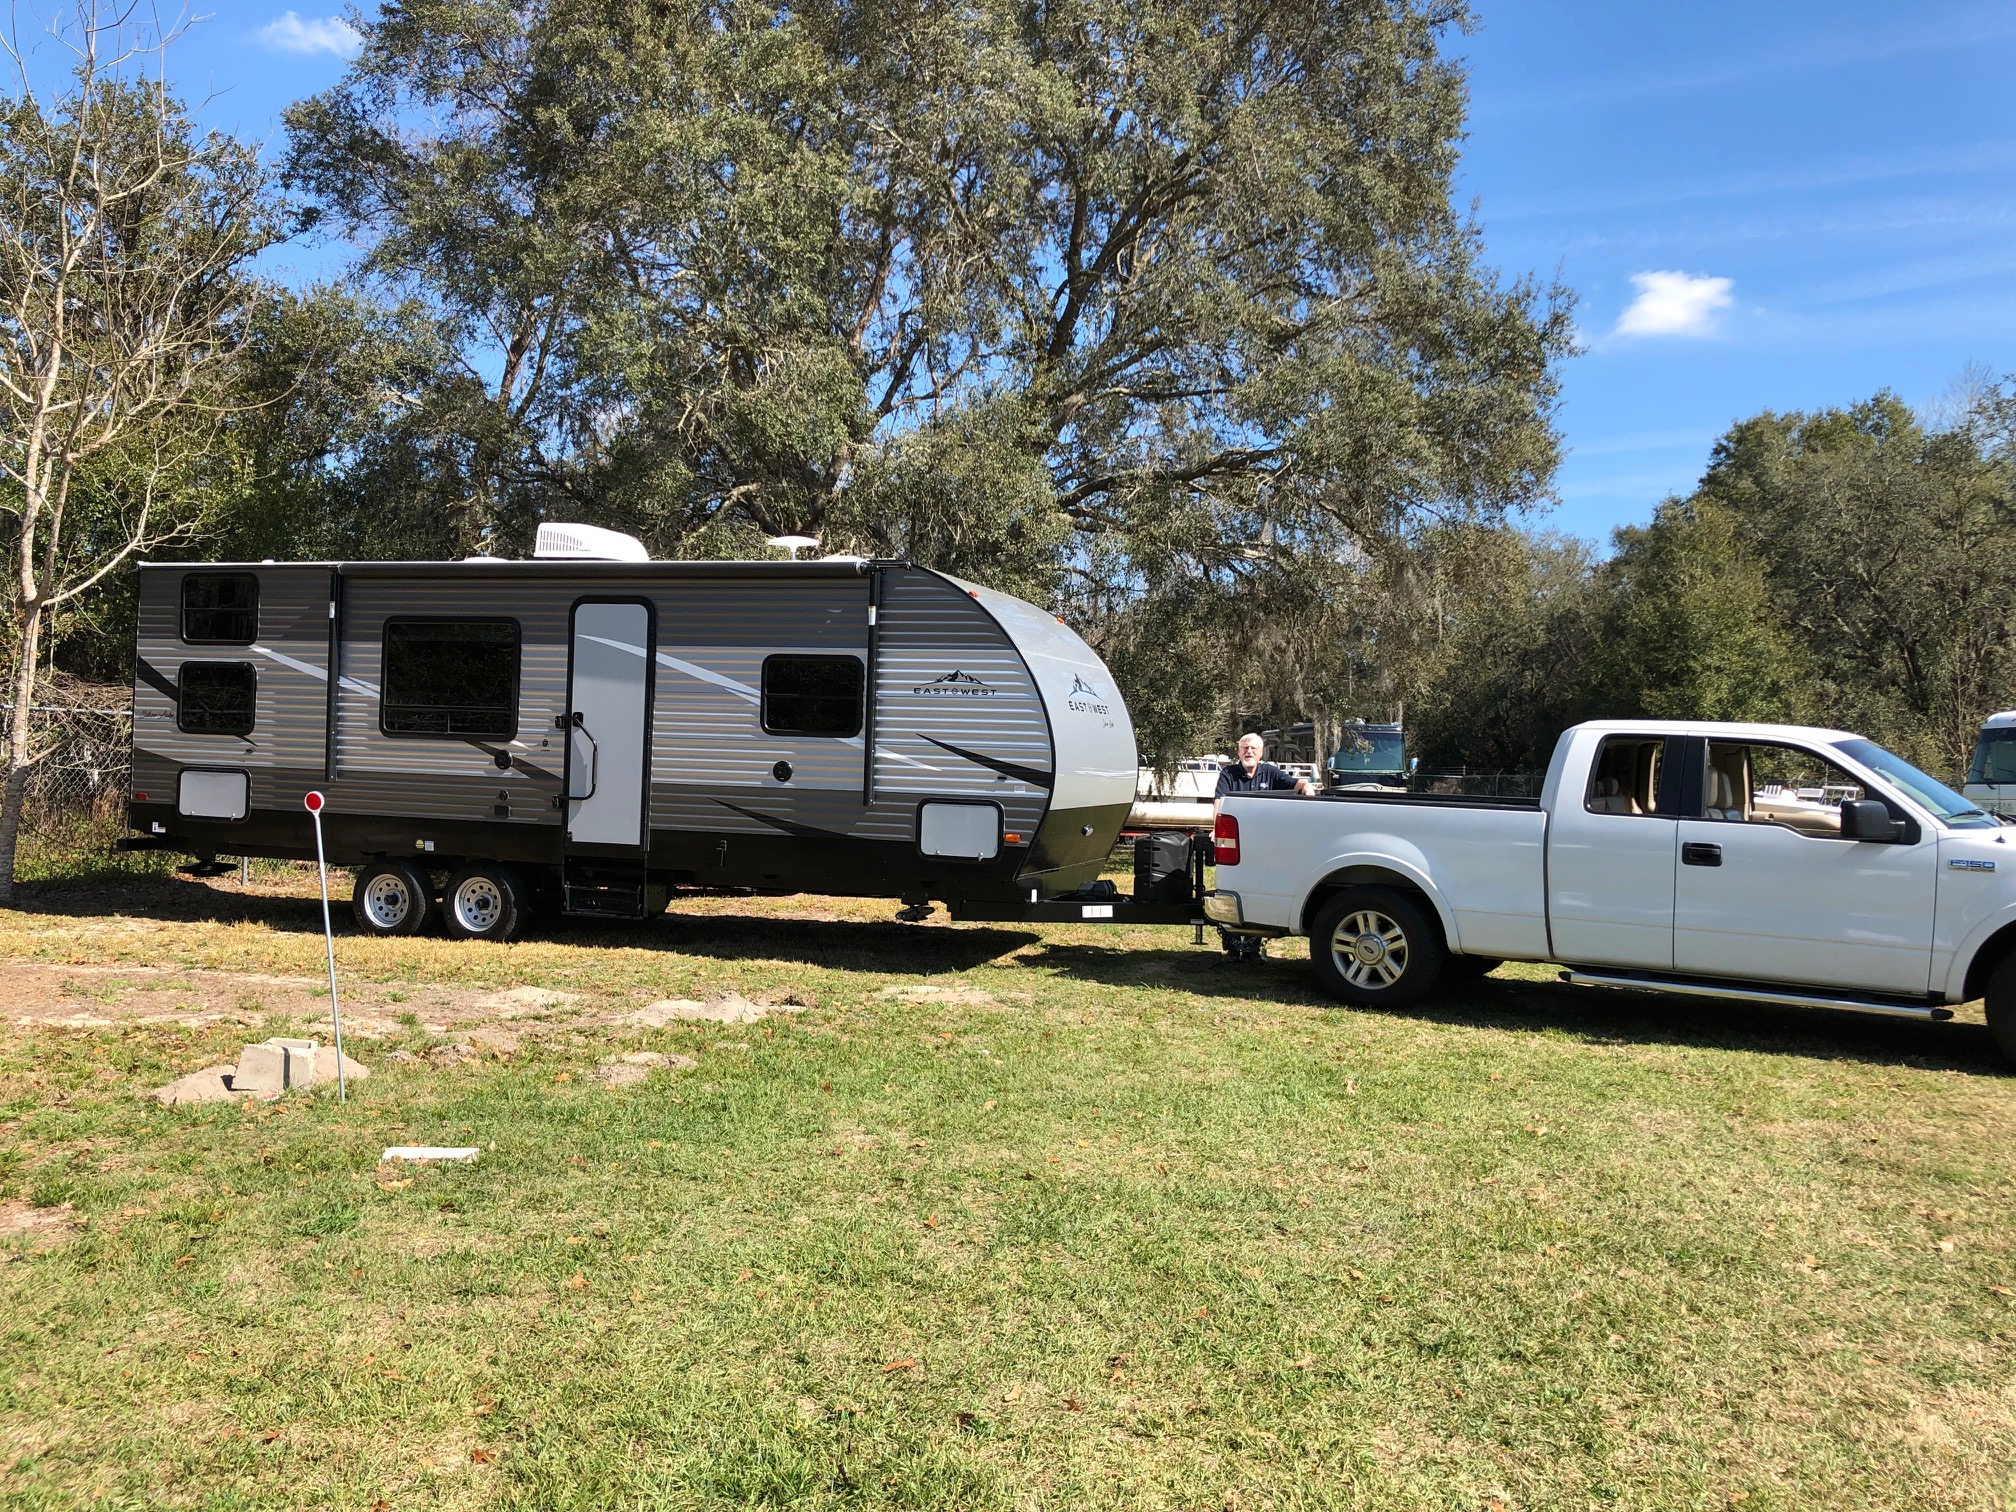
(1849, 169)
(1777, 205)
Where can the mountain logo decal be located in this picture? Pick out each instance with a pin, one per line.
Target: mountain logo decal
(954, 684)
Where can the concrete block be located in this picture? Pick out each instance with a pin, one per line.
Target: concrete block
(301, 1061)
(261, 1068)
(325, 1068)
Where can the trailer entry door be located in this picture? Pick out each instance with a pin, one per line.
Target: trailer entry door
(609, 725)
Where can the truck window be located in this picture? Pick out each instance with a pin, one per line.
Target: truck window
(217, 698)
(1754, 782)
(1626, 778)
(812, 695)
(450, 679)
(220, 608)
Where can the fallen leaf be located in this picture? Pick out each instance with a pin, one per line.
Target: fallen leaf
(563, 1076)
(576, 1281)
(483, 1409)
(899, 1365)
(931, 1222)
(1307, 1362)
(1539, 1129)
(267, 1438)
(990, 1104)
(636, 1295)
(481, 1456)
(1203, 1312)
(395, 1186)
(744, 1277)
(576, 1239)
(1945, 1246)
(1254, 1272)
(182, 1260)
(1119, 1359)
(1072, 1404)
(2002, 1291)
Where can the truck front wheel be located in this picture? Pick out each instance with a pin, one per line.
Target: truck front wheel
(1999, 1004)
(1376, 947)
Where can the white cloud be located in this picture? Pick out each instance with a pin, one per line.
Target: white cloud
(1674, 304)
(330, 34)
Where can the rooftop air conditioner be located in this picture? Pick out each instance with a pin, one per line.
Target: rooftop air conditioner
(586, 543)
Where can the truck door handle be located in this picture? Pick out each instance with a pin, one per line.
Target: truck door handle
(1700, 853)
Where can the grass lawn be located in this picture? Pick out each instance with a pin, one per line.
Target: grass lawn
(1108, 1225)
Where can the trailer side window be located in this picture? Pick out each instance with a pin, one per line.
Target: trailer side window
(220, 608)
(217, 698)
(812, 695)
(450, 678)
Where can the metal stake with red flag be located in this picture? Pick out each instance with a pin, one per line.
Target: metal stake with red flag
(313, 802)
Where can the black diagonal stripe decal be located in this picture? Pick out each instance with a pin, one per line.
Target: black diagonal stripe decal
(518, 762)
(789, 826)
(1006, 768)
(152, 676)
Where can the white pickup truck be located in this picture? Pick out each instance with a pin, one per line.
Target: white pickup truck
(1771, 862)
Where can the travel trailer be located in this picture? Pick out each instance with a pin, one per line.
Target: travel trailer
(588, 730)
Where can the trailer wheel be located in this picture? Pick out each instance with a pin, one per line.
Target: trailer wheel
(1375, 947)
(1999, 1005)
(485, 902)
(392, 898)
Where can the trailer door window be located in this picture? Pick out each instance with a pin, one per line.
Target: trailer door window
(812, 695)
(220, 608)
(450, 678)
(217, 698)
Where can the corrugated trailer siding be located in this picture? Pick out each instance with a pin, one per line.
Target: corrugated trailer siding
(707, 734)
(289, 656)
(929, 630)
(424, 777)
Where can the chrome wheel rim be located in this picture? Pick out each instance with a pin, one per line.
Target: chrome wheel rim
(388, 900)
(479, 903)
(1370, 949)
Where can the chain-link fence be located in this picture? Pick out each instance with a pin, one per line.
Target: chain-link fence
(88, 757)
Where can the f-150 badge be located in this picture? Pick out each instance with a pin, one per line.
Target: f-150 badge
(1961, 865)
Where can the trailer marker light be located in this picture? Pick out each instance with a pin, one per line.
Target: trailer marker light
(139, 797)
(1225, 840)
(1012, 838)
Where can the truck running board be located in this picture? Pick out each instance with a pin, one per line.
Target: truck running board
(1753, 994)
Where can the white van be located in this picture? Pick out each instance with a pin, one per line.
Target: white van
(1991, 778)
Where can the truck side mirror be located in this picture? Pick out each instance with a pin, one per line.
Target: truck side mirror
(1868, 819)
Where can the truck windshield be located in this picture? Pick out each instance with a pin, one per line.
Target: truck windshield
(1371, 751)
(1995, 756)
(1947, 805)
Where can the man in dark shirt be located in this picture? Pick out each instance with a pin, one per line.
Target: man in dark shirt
(1249, 774)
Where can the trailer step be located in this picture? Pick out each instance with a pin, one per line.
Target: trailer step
(1753, 994)
(604, 890)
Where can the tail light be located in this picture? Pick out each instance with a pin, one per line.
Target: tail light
(1225, 840)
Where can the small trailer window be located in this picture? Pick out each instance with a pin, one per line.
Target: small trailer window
(812, 695)
(220, 608)
(217, 698)
(450, 678)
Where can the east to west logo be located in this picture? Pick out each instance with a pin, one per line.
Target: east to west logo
(954, 684)
(1085, 699)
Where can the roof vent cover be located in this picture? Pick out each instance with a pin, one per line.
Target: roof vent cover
(586, 543)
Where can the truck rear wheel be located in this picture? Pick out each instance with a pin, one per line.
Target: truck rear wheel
(392, 898)
(1376, 947)
(486, 902)
(2000, 1005)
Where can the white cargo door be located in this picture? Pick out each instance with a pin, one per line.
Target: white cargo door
(609, 730)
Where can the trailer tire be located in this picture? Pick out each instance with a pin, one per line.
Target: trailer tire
(392, 898)
(1376, 947)
(1999, 1006)
(486, 902)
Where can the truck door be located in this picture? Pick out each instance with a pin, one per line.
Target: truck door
(1768, 890)
(1610, 855)
(609, 727)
